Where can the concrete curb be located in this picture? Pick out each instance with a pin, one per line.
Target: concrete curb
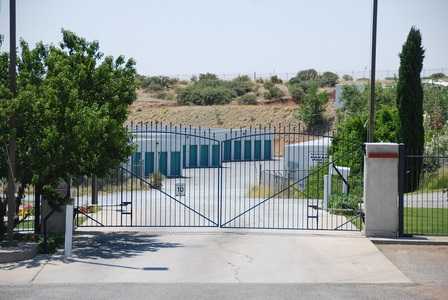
(415, 240)
(23, 251)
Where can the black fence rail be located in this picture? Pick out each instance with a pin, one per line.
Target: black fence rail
(25, 209)
(425, 199)
(265, 177)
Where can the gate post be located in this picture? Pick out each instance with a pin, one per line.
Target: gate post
(381, 190)
(401, 178)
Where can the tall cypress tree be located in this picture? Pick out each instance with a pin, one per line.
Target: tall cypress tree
(410, 104)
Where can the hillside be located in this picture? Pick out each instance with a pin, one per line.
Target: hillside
(227, 116)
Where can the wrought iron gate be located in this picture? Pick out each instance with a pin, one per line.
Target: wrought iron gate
(269, 178)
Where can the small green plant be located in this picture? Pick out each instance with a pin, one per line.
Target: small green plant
(272, 91)
(310, 112)
(348, 202)
(156, 180)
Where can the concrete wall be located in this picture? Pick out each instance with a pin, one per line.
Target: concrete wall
(381, 189)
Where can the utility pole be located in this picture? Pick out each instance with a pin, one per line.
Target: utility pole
(371, 128)
(11, 149)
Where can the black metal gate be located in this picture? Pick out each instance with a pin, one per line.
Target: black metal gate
(265, 178)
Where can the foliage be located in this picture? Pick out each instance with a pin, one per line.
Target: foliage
(351, 134)
(347, 77)
(205, 95)
(328, 79)
(343, 201)
(276, 80)
(437, 76)
(70, 109)
(210, 90)
(155, 83)
(248, 99)
(312, 107)
(241, 85)
(353, 99)
(410, 102)
(272, 91)
(296, 91)
(305, 75)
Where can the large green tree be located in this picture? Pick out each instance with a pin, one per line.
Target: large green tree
(410, 103)
(71, 106)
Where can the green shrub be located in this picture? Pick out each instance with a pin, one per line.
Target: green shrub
(347, 77)
(310, 112)
(296, 91)
(328, 79)
(276, 80)
(249, 98)
(349, 201)
(205, 95)
(272, 91)
(305, 75)
(241, 85)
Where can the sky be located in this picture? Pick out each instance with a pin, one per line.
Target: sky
(174, 37)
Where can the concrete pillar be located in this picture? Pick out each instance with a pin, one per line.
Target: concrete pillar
(56, 222)
(381, 189)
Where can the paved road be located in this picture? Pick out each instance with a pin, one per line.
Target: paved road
(211, 257)
(230, 265)
(214, 291)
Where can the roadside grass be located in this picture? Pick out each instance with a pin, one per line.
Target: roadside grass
(426, 221)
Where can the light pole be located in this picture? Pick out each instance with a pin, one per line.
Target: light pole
(371, 128)
(11, 149)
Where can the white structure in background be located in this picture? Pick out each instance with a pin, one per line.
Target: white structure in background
(344, 171)
(299, 158)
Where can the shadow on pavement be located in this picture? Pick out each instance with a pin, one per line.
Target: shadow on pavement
(102, 245)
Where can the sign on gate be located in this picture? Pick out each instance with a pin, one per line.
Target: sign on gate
(180, 189)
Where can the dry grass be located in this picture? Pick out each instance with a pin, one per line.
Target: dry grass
(217, 116)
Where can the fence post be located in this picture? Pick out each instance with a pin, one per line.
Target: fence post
(401, 179)
(68, 230)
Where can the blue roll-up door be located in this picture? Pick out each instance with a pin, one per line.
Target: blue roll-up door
(163, 163)
(227, 155)
(149, 163)
(237, 150)
(193, 157)
(247, 150)
(257, 150)
(204, 156)
(136, 163)
(184, 156)
(267, 150)
(215, 155)
(175, 164)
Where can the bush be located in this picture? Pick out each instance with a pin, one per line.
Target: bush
(345, 201)
(276, 80)
(249, 98)
(241, 85)
(305, 75)
(437, 76)
(156, 83)
(347, 77)
(328, 79)
(205, 95)
(273, 92)
(310, 112)
(296, 91)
